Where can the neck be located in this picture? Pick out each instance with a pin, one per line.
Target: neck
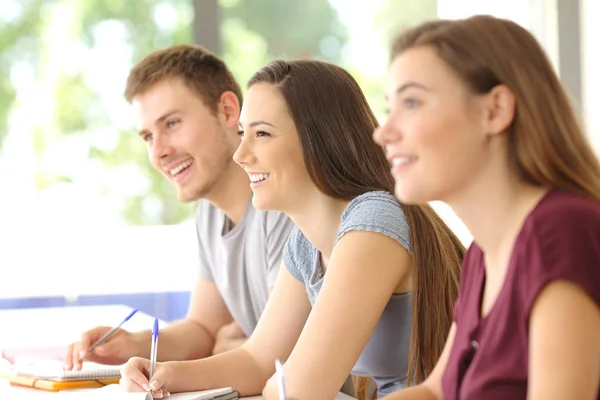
(319, 220)
(494, 207)
(231, 193)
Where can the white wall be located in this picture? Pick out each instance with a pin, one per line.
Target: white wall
(71, 261)
(590, 35)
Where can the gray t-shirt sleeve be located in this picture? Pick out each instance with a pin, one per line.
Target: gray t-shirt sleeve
(278, 227)
(291, 252)
(376, 212)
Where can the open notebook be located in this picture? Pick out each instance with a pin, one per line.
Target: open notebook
(114, 392)
(53, 370)
(48, 374)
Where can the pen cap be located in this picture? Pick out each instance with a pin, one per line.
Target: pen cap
(155, 329)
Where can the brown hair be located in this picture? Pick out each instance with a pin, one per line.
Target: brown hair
(335, 126)
(201, 71)
(546, 142)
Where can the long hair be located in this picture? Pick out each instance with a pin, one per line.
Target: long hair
(335, 124)
(546, 142)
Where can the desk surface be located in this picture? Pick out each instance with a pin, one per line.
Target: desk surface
(67, 324)
(17, 393)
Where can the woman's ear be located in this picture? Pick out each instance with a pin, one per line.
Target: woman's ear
(500, 109)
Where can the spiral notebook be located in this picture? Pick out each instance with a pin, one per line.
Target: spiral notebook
(48, 374)
(53, 370)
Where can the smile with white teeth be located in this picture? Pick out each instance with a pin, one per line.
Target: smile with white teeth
(258, 177)
(402, 160)
(175, 171)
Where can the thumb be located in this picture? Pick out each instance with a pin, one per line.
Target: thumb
(159, 378)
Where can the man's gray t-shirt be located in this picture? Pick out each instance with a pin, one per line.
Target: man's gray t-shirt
(385, 357)
(242, 261)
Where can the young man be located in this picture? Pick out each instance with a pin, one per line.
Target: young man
(189, 103)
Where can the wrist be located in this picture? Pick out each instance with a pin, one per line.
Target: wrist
(141, 343)
(178, 376)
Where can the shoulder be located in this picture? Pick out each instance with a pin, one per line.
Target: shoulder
(376, 212)
(560, 240)
(567, 210)
(563, 221)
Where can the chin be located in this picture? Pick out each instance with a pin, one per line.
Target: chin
(186, 196)
(261, 203)
(411, 195)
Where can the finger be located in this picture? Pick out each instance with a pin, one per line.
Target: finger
(75, 357)
(68, 361)
(158, 394)
(133, 372)
(86, 341)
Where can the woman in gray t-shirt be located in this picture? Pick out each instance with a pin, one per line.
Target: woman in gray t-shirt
(368, 285)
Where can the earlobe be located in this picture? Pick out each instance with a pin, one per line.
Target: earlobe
(229, 107)
(501, 113)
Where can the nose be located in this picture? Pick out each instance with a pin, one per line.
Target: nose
(161, 147)
(386, 134)
(244, 154)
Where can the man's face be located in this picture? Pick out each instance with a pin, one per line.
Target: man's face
(186, 142)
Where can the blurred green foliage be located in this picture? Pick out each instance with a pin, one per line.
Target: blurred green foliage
(253, 32)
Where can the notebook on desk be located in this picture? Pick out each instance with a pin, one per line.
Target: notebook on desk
(114, 392)
(48, 374)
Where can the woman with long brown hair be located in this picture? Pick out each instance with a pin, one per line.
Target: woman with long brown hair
(479, 119)
(368, 285)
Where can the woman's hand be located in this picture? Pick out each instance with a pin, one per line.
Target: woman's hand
(134, 377)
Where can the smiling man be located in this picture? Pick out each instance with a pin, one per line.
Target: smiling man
(188, 104)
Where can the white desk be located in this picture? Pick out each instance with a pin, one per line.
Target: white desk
(16, 393)
(59, 326)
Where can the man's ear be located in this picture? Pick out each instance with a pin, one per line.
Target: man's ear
(500, 109)
(229, 109)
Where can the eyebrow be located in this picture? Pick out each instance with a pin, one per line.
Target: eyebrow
(159, 120)
(257, 123)
(409, 85)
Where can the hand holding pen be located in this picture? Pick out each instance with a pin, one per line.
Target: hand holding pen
(148, 374)
(104, 345)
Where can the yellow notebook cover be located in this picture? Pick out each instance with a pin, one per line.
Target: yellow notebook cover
(54, 385)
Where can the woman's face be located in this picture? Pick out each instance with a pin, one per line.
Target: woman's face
(434, 135)
(270, 151)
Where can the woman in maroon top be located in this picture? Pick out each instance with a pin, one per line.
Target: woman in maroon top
(478, 119)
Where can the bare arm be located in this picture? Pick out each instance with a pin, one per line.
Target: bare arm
(194, 336)
(248, 368)
(431, 389)
(564, 350)
(363, 272)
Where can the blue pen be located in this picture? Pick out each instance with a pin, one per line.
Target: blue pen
(108, 334)
(153, 349)
(280, 379)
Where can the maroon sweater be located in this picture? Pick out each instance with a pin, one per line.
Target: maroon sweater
(559, 240)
